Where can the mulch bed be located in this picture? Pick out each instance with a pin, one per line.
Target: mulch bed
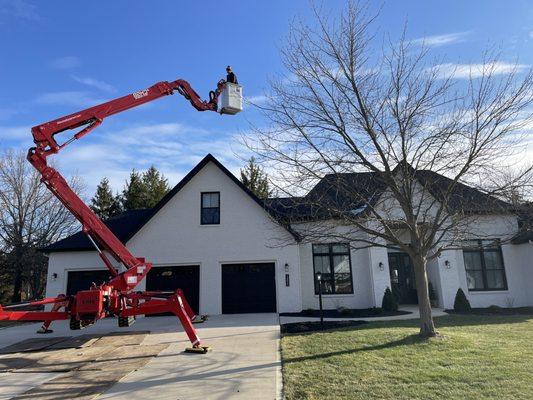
(346, 313)
(494, 311)
(303, 327)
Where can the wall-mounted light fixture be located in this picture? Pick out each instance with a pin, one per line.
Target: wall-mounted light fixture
(381, 266)
(447, 264)
(286, 267)
(54, 276)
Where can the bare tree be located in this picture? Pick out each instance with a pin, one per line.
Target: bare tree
(30, 218)
(400, 146)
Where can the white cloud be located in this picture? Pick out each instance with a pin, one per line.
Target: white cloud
(7, 112)
(466, 71)
(16, 133)
(69, 98)
(441, 40)
(258, 100)
(67, 62)
(19, 9)
(100, 85)
(172, 147)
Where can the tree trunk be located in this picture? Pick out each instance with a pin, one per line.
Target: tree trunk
(427, 327)
(17, 286)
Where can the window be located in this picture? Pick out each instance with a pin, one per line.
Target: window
(210, 208)
(484, 265)
(333, 262)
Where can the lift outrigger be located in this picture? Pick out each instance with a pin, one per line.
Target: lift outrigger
(116, 297)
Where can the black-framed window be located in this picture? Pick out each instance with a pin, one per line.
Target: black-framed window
(332, 260)
(484, 265)
(210, 208)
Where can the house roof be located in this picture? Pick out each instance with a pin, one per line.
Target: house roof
(463, 198)
(127, 224)
(333, 194)
(124, 226)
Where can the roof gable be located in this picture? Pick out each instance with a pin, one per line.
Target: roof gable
(127, 224)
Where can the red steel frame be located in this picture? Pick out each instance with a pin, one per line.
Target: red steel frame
(115, 297)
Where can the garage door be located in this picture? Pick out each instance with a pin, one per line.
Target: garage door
(184, 277)
(82, 280)
(248, 288)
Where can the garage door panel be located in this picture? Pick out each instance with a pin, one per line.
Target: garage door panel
(82, 280)
(248, 288)
(170, 278)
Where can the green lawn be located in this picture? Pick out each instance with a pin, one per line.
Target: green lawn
(479, 357)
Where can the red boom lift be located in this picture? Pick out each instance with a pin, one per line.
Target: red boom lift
(115, 297)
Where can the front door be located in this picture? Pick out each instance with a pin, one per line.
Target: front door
(402, 278)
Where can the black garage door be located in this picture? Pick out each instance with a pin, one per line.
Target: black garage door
(248, 288)
(82, 280)
(186, 278)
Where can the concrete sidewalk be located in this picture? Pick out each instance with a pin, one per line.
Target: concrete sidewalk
(244, 363)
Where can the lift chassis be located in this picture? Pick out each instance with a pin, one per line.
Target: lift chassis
(116, 297)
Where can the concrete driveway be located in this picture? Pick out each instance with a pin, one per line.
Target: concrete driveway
(244, 363)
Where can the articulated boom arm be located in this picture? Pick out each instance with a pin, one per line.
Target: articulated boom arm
(114, 297)
(96, 230)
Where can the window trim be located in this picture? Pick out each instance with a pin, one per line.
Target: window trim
(330, 255)
(202, 208)
(482, 249)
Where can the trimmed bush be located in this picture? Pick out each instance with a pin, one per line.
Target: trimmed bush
(309, 312)
(432, 295)
(346, 312)
(461, 303)
(389, 303)
(494, 309)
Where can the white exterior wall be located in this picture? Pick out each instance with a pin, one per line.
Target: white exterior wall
(523, 256)
(61, 263)
(517, 263)
(361, 281)
(246, 234)
(174, 236)
(368, 280)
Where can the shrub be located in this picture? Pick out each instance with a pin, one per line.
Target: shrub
(494, 309)
(309, 312)
(389, 303)
(432, 295)
(461, 303)
(345, 311)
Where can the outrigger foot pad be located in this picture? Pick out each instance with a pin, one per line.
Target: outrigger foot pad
(42, 330)
(198, 349)
(203, 318)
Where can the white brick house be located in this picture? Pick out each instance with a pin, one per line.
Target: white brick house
(231, 253)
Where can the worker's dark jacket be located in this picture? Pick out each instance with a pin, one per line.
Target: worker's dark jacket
(231, 78)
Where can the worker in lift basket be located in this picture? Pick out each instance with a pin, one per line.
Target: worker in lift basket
(231, 77)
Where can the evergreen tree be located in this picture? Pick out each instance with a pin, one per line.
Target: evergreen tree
(104, 204)
(134, 192)
(156, 186)
(461, 303)
(144, 190)
(255, 179)
(389, 302)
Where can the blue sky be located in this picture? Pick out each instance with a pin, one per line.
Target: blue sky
(59, 57)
